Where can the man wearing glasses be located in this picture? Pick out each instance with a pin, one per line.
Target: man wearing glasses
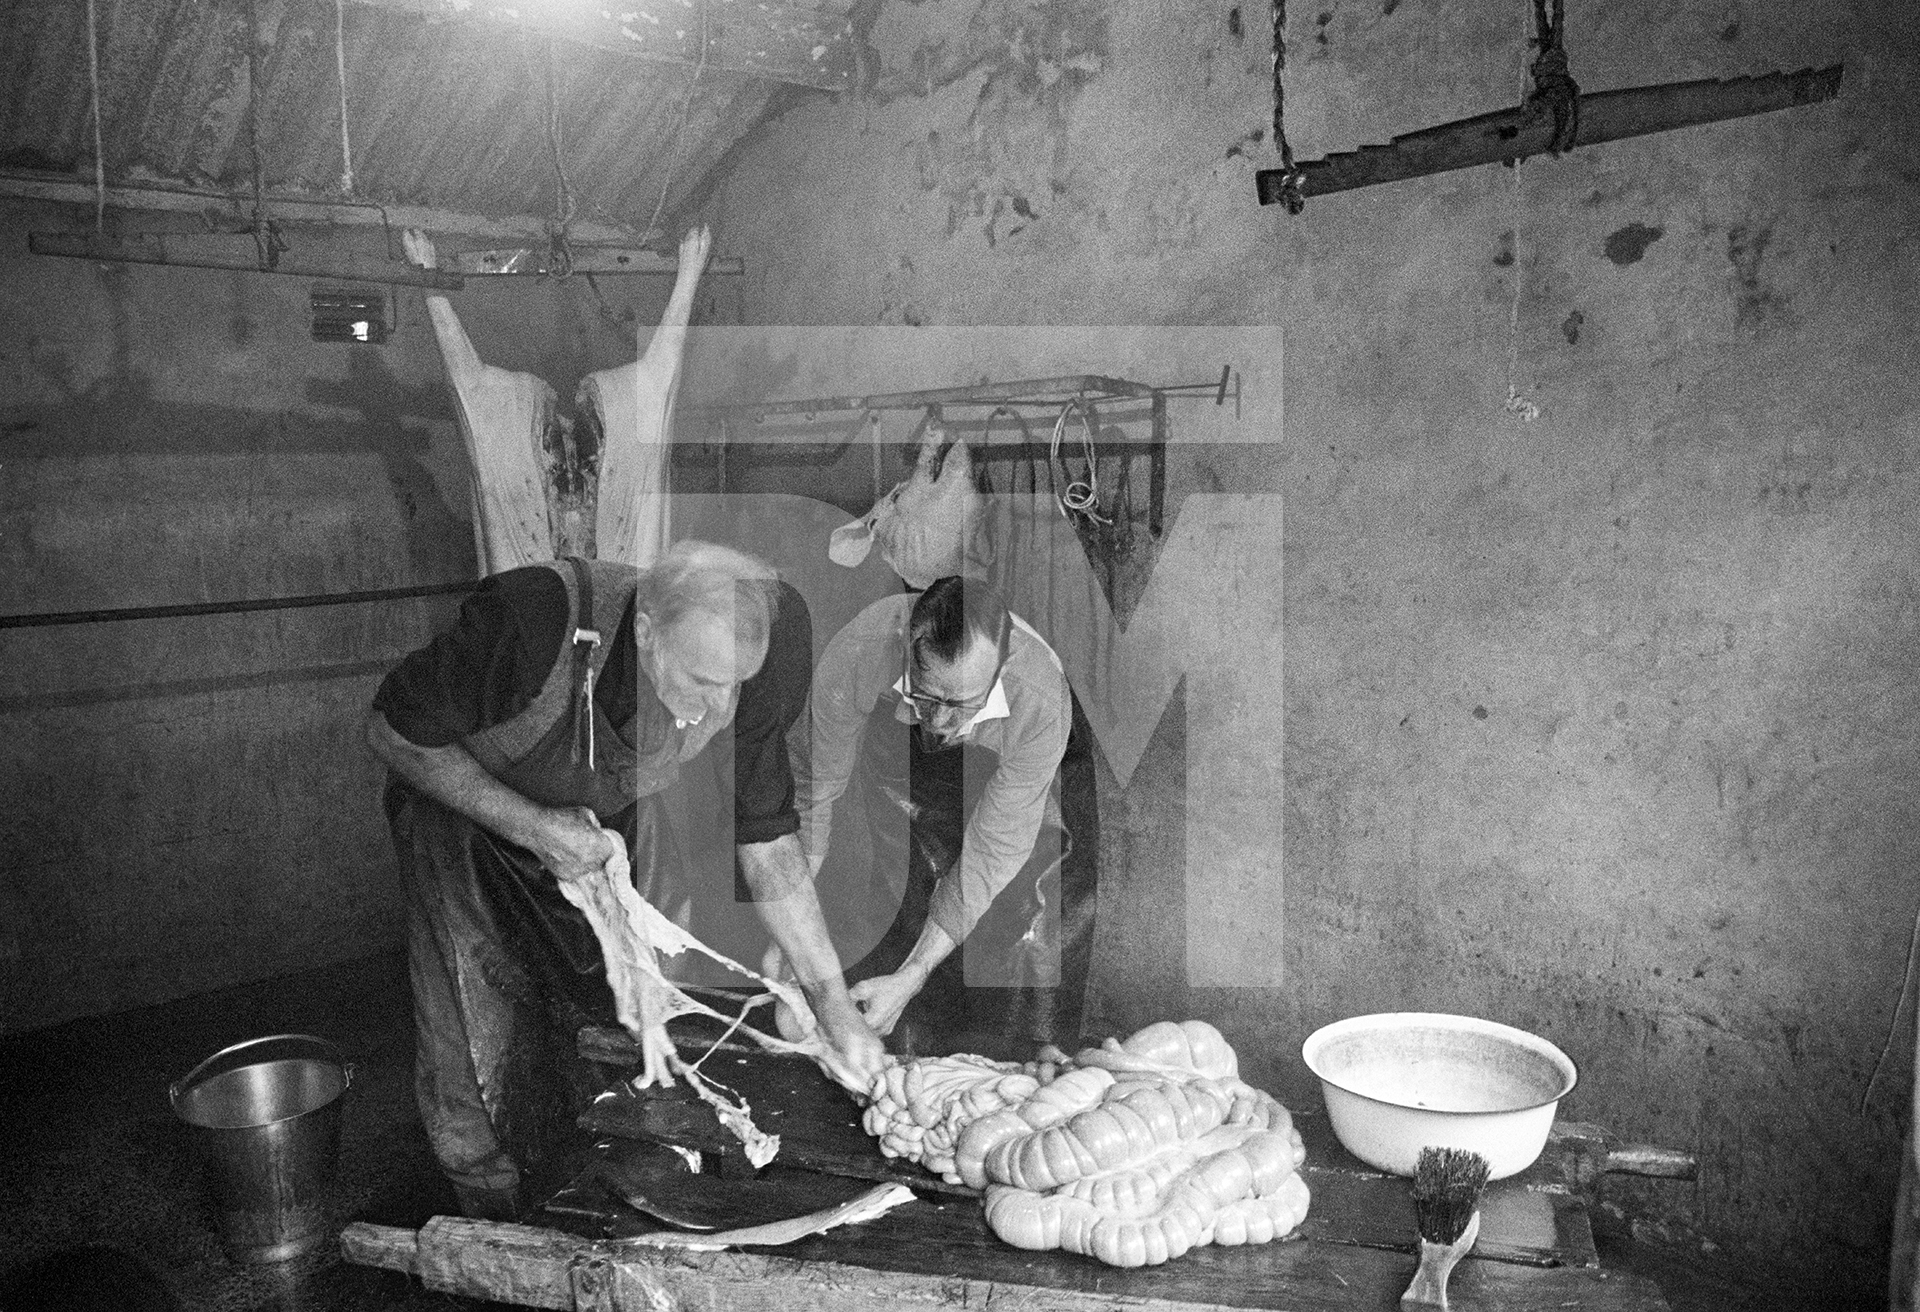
(953, 715)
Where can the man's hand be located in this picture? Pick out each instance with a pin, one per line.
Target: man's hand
(858, 1056)
(855, 1054)
(572, 845)
(884, 997)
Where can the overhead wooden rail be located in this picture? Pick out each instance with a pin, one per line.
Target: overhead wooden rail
(1514, 134)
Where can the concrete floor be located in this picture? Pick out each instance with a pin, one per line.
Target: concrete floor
(102, 1186)
(95, 1157)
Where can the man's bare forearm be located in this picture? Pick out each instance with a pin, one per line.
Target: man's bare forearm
(789, 907)
(564, 840)
(451, 777)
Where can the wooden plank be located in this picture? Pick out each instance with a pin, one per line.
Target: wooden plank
(540, 261)
(930, 1254)
(1532, 1218)
(1585, 1152)
(767, 39)
(235, 209)
(236, 253)
(1514, 134)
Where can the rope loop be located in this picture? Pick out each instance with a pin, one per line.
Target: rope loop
(1554, 89)
(1079, 496)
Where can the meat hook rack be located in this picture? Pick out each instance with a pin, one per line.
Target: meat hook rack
(1046, 393)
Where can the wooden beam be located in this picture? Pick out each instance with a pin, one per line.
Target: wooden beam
(923, 1256)
(237, 208)
(767, 39)
(540, 261)
(238, 254)
(1514, 134)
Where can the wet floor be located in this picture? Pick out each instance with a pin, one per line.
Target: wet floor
(103, 1205)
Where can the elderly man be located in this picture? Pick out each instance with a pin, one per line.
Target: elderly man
(531, 743)
(956, 717)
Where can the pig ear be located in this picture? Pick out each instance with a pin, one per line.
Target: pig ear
(850, 543)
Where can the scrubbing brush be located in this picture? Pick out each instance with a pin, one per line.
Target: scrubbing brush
(1446, 1210)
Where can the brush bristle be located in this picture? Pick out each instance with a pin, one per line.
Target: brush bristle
(1446, 1190)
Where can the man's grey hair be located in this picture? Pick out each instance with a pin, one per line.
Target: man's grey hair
(706, 578)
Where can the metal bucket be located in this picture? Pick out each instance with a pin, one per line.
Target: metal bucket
(266, 1122)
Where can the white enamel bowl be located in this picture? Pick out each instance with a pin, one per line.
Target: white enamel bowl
(1401, 1081)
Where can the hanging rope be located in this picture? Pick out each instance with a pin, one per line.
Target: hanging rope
(984, 481)
(1553, 86)
(680, 125)
(561, 261)
(1517, 404)
(99, 150)
(266, 238)
(1078, 496)
(1291, 194)
(340, 67)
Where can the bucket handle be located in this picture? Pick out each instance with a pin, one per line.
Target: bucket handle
(180, 1085)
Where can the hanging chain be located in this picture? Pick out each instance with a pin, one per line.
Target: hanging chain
(99, 147)
(340, 67)
(267, 242)
(680, 124)
(560, 253)
(1291, 193)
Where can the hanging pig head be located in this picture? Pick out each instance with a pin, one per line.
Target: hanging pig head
(928, 527)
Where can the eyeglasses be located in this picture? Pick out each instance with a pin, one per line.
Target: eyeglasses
(924, 705)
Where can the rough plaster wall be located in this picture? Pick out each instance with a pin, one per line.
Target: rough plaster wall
(1601, 724)
(189, 801)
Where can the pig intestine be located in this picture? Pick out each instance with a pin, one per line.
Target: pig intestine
(1131, 1153)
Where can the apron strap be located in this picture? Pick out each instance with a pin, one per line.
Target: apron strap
(585, 638)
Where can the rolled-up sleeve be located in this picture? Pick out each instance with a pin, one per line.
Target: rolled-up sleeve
(482, 670)
(1000, 837)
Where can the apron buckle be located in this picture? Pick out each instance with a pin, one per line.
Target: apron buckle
(584, 641)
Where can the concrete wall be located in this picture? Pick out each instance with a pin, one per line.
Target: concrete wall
(1602, 724)
(189, 803)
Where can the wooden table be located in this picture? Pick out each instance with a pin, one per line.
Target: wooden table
(1353, 1252)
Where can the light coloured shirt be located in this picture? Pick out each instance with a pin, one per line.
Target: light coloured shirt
(1025, 722)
